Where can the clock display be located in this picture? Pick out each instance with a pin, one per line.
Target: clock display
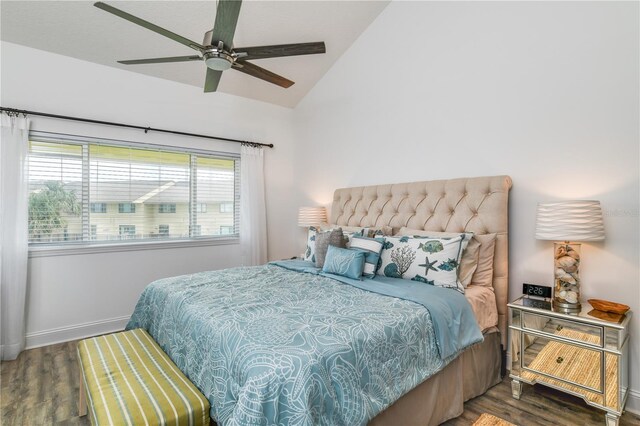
(536, 290)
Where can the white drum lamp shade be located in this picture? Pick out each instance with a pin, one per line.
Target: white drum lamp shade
(568, 221)
(312, 216)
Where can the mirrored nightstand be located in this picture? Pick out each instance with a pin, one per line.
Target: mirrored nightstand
(585, 354)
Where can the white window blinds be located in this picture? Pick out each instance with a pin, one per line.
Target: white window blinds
(138, 186)
(84, 191)
(55, 192)
(215, 183)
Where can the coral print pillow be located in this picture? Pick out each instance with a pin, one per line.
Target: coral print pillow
(310, 252)
(433, 261)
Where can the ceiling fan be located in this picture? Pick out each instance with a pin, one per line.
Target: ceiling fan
(217, 49)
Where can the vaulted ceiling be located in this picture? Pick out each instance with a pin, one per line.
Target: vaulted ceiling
(79, 30)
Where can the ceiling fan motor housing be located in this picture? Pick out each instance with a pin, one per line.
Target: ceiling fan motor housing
(216, 57)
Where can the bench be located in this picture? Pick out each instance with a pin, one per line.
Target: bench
(127, 379)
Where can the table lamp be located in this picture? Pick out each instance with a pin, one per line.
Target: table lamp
(569, 222)
(312, 216)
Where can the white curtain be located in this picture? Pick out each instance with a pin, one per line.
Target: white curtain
(253, 215)
(14, 145)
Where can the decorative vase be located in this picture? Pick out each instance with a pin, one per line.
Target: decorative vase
(567, 277)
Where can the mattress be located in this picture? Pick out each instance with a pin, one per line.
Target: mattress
(483, 304)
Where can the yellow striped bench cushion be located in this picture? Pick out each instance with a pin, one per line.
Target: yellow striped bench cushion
(129, 380)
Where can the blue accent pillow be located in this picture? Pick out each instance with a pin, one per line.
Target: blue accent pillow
(346, 262)
(372, 248)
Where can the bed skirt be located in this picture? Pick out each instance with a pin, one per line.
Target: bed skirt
(441, 397)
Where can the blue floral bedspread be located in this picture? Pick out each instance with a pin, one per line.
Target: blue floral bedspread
(269, 345)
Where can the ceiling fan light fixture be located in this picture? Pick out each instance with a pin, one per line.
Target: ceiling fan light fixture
(218, 61)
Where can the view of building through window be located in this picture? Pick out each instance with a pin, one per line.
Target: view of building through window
(94, 192)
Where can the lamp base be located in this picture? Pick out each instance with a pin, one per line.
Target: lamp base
(560, 305)
(566, 295)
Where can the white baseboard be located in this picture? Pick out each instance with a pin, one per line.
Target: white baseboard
(633, 402)
(75, 332)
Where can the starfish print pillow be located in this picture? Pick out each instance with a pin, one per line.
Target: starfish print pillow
(430, 260)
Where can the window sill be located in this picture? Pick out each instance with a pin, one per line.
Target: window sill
(76, 249)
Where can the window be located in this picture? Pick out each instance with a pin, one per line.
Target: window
(127, 231)
(55, 192)
(163, 230)
(226, 208)
(126, 208)
(72, 180)
(167, 208)
(98, 207)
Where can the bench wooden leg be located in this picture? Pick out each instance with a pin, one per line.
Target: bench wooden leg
(82, 399)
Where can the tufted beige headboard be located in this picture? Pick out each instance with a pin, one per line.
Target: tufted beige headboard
(479, 205)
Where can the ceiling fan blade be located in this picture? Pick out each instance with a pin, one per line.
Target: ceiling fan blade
(262, 74)
(279, 50)
(161, 60)
(212, 80)
(148, 25)
(226, 20)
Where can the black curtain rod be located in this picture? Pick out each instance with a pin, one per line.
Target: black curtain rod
(130, 126)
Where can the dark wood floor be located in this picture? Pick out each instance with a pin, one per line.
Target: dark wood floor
(538, 405)
(41, 388)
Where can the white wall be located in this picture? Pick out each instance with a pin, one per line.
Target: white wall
(544, 92)
(71, 296)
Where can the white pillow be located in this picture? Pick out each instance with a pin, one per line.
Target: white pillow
(430, 260)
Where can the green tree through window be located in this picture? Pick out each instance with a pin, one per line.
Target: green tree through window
(47, 209)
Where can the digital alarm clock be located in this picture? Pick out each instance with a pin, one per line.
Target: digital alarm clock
(536, 290)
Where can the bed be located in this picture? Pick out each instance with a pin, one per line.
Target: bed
(298, 347)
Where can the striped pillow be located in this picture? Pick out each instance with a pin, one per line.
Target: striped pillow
(349, 235)
(372, 248)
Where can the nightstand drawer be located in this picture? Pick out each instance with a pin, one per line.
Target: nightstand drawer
(568, 363)
(585, 333)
